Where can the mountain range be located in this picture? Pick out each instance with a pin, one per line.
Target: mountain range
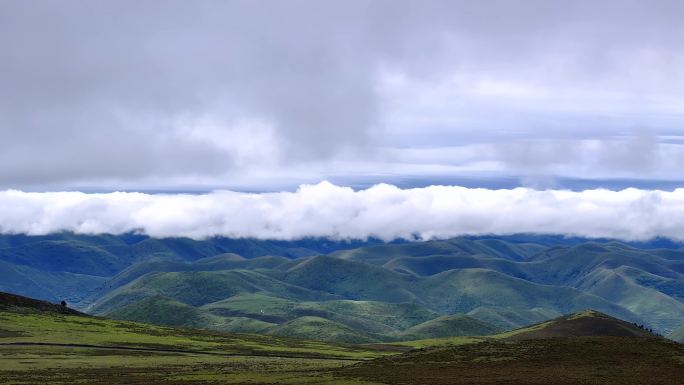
(348, 291)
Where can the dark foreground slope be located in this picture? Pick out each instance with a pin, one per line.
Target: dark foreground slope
(17, 303)
(567, 360)
(582, 348)
(588, 323)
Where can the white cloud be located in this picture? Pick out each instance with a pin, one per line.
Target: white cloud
(324, 209)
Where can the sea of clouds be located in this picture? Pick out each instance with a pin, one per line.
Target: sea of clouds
(327, 210)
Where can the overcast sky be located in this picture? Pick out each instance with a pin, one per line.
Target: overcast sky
(255, 96)
(265, 95)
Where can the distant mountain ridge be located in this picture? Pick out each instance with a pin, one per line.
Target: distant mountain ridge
(258, 286)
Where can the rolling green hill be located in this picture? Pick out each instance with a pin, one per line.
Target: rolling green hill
(338, 321)
(26, 321)
(45, 343)
(509, 318)
(373, 288)
(449, 326)
(385, 304)
(317, 328)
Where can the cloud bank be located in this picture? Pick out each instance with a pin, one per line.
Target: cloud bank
(327, 210)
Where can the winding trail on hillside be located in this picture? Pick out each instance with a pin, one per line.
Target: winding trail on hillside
(182, 351)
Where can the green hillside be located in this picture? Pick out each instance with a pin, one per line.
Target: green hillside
(368, 287)
(199, 288)
(449, 326)
(375, 317)
(39, 344)
(509, 318)
(339, 321)
(322, 329)
(40, 322)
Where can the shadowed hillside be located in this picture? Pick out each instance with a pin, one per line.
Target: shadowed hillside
(20, 304)
(585, 347)
(588, 323)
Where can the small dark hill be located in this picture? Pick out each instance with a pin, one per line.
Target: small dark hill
(559, 361)
(580, 348)
(588, 323)
(20, 304)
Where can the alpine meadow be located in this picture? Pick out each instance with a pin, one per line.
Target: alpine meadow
(341, 192)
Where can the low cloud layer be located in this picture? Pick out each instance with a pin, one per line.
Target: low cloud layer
(327, 210)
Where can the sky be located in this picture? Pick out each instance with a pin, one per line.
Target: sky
(248, 97)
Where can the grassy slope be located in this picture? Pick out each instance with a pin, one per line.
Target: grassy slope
(587, 323)
(162, 310)
(340, 321)
(584, 347)
(472, 288)
(199, 288)
(381, 254)
(448, 326)
(70, 329)
(270, 359)
(509, 318)
(376, 317)
(584, 360)
(321, 329)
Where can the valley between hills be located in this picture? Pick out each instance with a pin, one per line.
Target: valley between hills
(350, 292)
(474, 310)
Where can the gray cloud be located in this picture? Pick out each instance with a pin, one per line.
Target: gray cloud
(176, 93)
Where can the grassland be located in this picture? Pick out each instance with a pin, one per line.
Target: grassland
(58, 365)
(40, 344)
(46, 347)
(68, 329)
